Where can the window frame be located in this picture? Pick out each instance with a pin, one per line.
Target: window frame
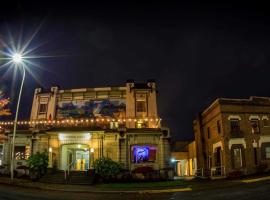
(40, 106)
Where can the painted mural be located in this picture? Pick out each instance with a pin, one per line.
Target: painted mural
(107, 108)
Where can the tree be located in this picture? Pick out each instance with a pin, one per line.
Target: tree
(3, 103)
(106, 168)
(38, 164)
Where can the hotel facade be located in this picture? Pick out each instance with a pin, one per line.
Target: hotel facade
(233, 137)
(78, 126)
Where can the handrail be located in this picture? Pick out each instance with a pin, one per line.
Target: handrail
(68, 169)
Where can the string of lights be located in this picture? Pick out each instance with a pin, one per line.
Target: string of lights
(80, 121)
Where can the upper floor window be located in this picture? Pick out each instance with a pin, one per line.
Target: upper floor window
(208, 133)
(141, 106)
(235, 124)
(42, 108)
(255, 125)
(218, 127)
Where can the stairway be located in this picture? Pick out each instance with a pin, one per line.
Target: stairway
(57, 177)
(80, 178)
(75, 178)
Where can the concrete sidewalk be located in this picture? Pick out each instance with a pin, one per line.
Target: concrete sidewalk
(93, 189)
(82, 188)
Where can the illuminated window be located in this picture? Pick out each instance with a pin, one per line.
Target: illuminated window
(267, 152)
(42, 108)
(237, 158)
(142, 154)
(21, 152)
(141, 106)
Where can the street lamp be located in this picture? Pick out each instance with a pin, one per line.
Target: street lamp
(17, 59)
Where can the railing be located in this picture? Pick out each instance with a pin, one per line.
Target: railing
(67, 171)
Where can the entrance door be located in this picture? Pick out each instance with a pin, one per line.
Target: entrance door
(82, 158)
(75, 157)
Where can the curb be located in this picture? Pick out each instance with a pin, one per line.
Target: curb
(154, 191)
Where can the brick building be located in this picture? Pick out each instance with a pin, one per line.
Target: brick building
(233, 135)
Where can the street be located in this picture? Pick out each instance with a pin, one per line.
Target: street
(260, 190)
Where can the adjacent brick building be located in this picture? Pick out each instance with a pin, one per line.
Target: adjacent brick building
(233, 135)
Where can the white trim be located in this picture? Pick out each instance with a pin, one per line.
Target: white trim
(231, 117)
(255, 144)
(263, 139)
(265, 117)
(216, 145)
(237, 141)
(252, 117)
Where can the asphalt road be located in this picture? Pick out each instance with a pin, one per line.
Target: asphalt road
(258, 191)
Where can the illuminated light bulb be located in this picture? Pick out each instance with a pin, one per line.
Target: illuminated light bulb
(92, 150)
(87, 120)
(50, 149)
(129, 120)
(92, 120)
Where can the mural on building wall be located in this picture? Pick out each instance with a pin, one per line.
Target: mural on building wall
(143, 154)
(108, 108)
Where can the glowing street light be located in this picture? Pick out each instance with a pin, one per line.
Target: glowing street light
(17, 59)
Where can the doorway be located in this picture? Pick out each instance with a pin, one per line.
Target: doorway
(75, 157)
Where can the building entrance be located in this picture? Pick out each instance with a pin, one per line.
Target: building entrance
(75, 157)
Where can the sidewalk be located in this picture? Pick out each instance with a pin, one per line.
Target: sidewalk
(197, 185)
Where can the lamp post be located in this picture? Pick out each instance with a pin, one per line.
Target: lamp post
(18, 61)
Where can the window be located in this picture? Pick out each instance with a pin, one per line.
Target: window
(21, 152)
(267, 152)
(265, 122)
(255, 156)
(235, 125)
(237, 158)
(140, 106)
(208, 133)
(142, 154)
(255, 125)
(218, 127)
(42, 108)
(1, 154)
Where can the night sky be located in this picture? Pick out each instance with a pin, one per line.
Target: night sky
(196, 52)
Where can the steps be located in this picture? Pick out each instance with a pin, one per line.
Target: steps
(57, 177)
(75, 178)
(80, 178)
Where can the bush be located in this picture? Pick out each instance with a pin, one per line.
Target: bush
(38, 164)
(106, 168)
(261, 168)
(235, 174)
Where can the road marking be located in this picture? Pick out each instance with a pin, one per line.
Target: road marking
(256, 179)
(166, 190)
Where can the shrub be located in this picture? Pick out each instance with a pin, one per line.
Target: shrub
(38, 163)
(235, 174)
(106, 168)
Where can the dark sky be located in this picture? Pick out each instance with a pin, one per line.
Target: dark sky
(196, 52)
